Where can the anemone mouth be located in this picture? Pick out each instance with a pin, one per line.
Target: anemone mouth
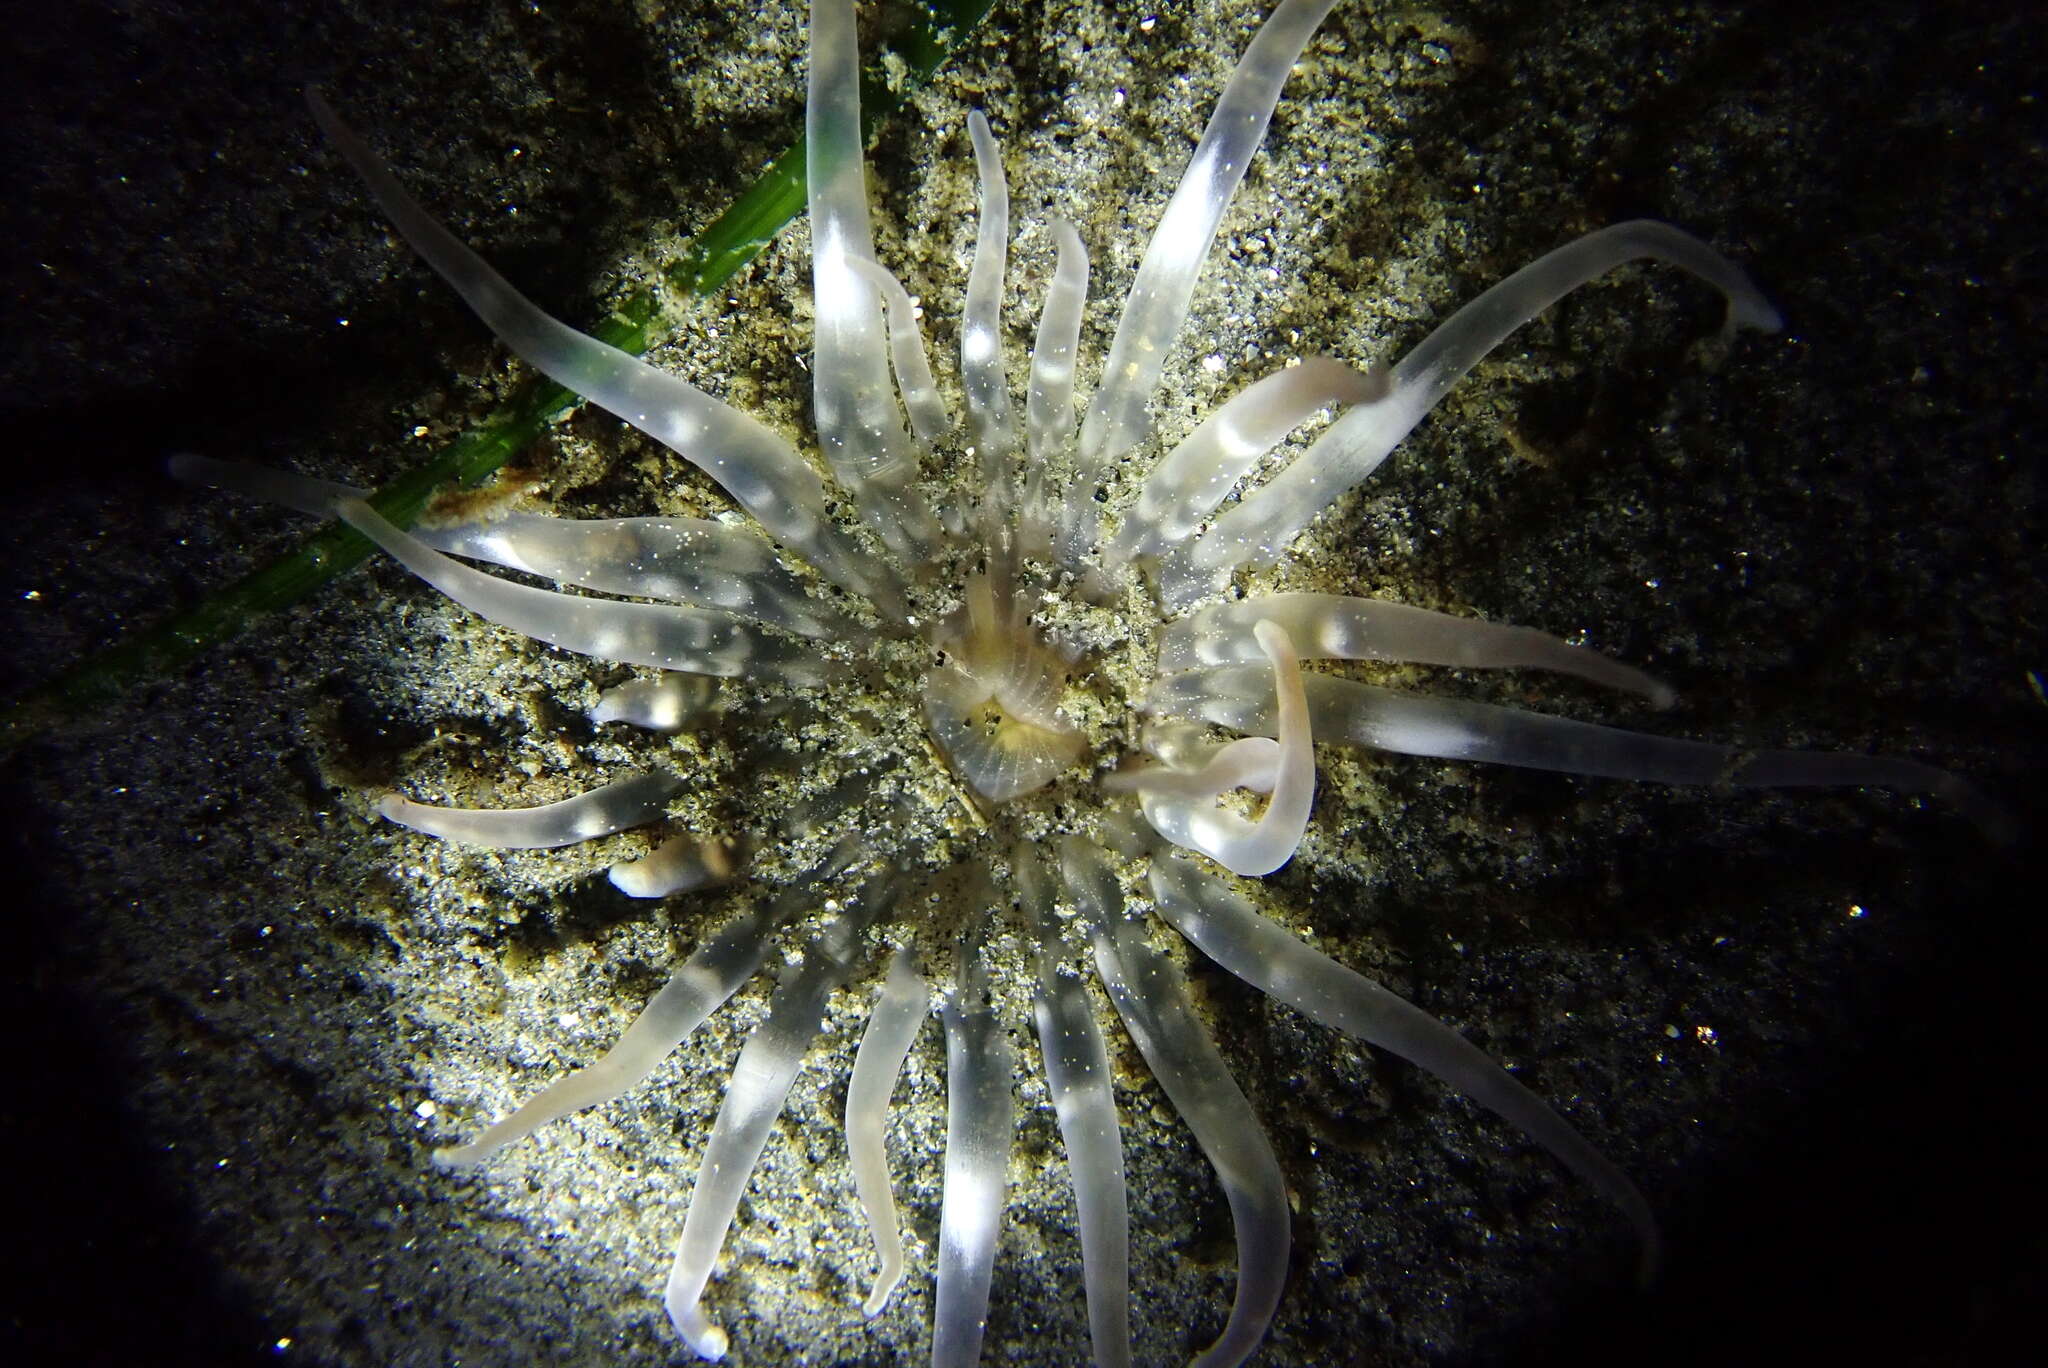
(993, 704)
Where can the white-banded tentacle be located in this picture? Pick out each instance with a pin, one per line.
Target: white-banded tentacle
(700, 986)
(981, 320)
(666, 636)
(1049, 407)
(1194, 478)
(1339, 627)
(612, 807)
(1158, 302)
(899, 1012)
(754, 1094)
(921, 402)
(1257, 530)
(761, 472)
(1344, 711)
(1077, 1075)
(980, 1123)
(1225, 927)
(679, 560)
(858, 424)
(1146, 988)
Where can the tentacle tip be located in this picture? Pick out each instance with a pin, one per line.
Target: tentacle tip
(2001, 825)
(323, 113)
(1662, 696)
(1649, 1263)
(886, 1281)
(706, 1340)
(1649, 1240)
(1750, 311)
(1252, 869)
(454, 1158)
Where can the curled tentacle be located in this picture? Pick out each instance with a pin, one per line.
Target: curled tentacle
(1182, 807)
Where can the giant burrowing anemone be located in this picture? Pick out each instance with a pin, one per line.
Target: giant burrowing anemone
(1060, 710)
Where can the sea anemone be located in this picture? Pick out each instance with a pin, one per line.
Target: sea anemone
(961, 680)
(758, 758)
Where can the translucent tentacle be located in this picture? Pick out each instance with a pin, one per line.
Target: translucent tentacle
(1049, 408)
(1147, 990)
(289, 489)
(668, 702)
(1197, 474)
(1337, 627)
(665, 636)
(858, 424)
(981, 318)
(681, 864)
(1343, 710)
(612, 807)
(1259, 528)
(1077, 1073)
(761, 1078)
(757, 468)
(1158, 302)
(980, 1118)
(921, 401)
(712, 974)
(1250, 762)
(1226, 928)
(682, 560)
(900, 1010)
